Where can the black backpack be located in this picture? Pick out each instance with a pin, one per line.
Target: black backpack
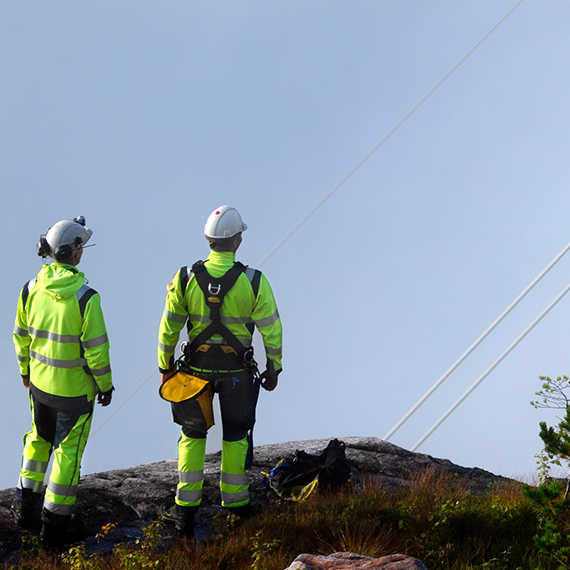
(295, 479)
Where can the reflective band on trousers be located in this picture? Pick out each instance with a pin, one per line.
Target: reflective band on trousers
(63, 510)
(35, 486)
(189, 496)
(191, 476)
(230, 479)
(229, 498)
(79, 362)
(35, 466)
(62, 490)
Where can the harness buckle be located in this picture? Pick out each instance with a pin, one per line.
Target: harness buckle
(214, 289)
(248, 356)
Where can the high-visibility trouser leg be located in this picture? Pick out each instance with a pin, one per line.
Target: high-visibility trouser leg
(234, 484)
(71, 437)
(191, 456)
(35, 459)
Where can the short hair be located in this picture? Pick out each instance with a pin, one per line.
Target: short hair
(224, 244)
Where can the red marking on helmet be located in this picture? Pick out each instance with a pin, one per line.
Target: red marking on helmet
(218, 213)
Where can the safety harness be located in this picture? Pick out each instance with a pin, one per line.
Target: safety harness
(215, 289)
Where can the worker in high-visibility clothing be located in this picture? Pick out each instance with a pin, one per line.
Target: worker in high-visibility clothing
(63, 353)
(220, 301)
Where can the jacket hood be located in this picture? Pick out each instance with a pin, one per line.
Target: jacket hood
(60, 281)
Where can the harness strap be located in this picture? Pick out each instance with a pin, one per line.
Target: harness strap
(214, 290)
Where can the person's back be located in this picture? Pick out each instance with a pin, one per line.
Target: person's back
(249, 304)
(63, 354)
(54, 315)
(221, 302)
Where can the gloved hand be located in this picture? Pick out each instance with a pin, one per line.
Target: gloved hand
(268, 381)
(164, 376)
(104, 398)
(26, 381)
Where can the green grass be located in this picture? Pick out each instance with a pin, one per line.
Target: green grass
(434, 518)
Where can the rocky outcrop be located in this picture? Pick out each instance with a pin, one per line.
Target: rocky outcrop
(351, 561)
(130, 497)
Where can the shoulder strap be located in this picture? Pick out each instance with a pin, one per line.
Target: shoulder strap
(185, 274)
(83, 295)
(26, 291)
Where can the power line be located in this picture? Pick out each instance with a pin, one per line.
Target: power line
(354, 169)
(108, 418)
(392, 131)
(491, 368)
(413, 409)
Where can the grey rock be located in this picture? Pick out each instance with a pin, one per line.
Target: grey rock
(130, 497)
(351, 561)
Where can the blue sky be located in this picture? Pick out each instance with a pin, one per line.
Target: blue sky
(144, 117)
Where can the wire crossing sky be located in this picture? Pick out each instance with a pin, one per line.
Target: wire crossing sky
(146, 117)
(390, 133)
(355, 169)
(475, 345)
(491, 368)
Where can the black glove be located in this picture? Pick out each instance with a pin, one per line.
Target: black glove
(104, 398)
(268, 381)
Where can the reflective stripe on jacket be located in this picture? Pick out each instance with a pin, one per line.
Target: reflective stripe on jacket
(60, 335)
(241, 311)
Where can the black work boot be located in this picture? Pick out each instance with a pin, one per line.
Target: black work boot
(26, 508)
(182, 517)
(58, 531)
(243, 511)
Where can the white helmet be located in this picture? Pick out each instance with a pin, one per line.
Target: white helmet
(64, 238)
(224, 222)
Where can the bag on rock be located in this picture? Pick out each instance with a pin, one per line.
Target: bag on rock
(296, 479)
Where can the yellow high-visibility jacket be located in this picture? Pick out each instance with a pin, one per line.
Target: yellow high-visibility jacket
(61, 339)
(241, 310)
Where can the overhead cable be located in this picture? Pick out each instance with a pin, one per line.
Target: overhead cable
(413, 409)
(392, 131)
(355, 168)
(124, 401)
(491, 368)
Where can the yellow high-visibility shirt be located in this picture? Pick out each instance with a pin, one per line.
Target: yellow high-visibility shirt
(241, 311)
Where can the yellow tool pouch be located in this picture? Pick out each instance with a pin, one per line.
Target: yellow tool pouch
(184, 388)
